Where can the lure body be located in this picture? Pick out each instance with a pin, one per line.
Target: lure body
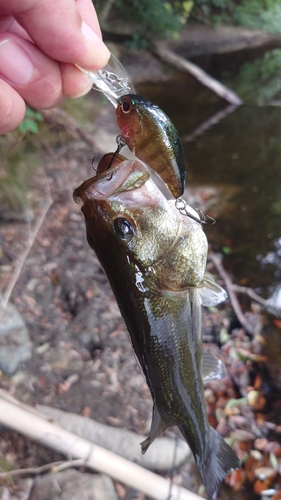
(152, 137)
(155, 260)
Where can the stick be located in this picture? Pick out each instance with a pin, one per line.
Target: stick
(21, 420)
(60, 116)
(250, 292)
(210, 122)
(232, 297)
(35, 471)
(105, 11)
(253, 295)
(16, 273)
(182, 64)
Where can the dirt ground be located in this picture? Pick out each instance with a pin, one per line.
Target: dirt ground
(82, 359)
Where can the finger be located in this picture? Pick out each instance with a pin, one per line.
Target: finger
(12, 108)
(60, 32)
(89, 15)
(74, 82)
(10, 24)
(33, 75)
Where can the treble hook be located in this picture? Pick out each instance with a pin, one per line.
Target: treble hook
(180, 205)
(93, 164)
(120, 144)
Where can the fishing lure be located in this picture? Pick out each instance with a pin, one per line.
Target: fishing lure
(113, 80)
(147, 130)
(152, 137)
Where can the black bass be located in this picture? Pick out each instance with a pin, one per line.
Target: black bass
(153, 138)
(155, 260)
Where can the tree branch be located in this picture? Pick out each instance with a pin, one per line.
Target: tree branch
(36, 471)
(229, 287)
(182, 64)
(21, 419)
(210, 122)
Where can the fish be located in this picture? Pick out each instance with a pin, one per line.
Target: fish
(155, 260)
(151, 136)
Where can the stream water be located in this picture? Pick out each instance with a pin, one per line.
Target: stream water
(240, 156)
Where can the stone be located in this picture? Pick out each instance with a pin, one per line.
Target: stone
(73, 485)
(15, 343)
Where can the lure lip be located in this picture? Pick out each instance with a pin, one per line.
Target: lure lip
(113, 80)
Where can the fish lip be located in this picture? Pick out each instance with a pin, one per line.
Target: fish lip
(110, 182)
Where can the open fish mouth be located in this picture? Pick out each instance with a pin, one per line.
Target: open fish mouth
(123, 176)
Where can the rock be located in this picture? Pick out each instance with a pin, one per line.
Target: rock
(20, 492)
(15, 344)
(160, 456)
(73, 485)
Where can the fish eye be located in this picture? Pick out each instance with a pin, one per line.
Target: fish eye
(123, 228)
(126, 106)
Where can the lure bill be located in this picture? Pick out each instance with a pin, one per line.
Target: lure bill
(112, 80)
(155, 260)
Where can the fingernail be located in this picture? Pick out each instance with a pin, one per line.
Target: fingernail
(96, 42)
(15, 64)
(83, 91)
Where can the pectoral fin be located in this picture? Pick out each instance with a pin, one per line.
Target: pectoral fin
(211, 293)
(212, 368)
(157, 427)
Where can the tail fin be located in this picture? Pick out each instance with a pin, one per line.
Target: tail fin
(219, 461)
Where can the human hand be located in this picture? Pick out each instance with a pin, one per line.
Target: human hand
(40, 41)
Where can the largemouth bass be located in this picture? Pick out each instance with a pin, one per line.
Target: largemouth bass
(155, 260)
(153, 138)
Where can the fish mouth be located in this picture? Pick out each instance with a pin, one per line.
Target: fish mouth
(123, 176)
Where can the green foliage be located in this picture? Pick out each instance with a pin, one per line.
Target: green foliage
(16, 171)
(260, 81)
(226, 250)
(149, 18)
(212, 11)
(257, 14)
(30, 122)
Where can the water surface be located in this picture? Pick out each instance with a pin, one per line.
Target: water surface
(241, 155)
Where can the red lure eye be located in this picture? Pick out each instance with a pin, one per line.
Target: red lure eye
(126, 106)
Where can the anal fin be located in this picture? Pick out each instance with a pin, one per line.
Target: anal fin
(157, 427)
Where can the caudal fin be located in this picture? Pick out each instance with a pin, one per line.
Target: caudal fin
(219, 461)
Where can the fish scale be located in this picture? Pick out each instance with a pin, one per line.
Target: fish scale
(159, 288)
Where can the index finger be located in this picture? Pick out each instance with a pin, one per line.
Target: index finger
(58, 29)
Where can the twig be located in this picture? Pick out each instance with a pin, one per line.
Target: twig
(72, 126)
(182, 64)
(105, 11)
(35, 471)
(250, 292)
(210, 122)
(96, 457)
(16, 273)
(229, 287)
(253, 295)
